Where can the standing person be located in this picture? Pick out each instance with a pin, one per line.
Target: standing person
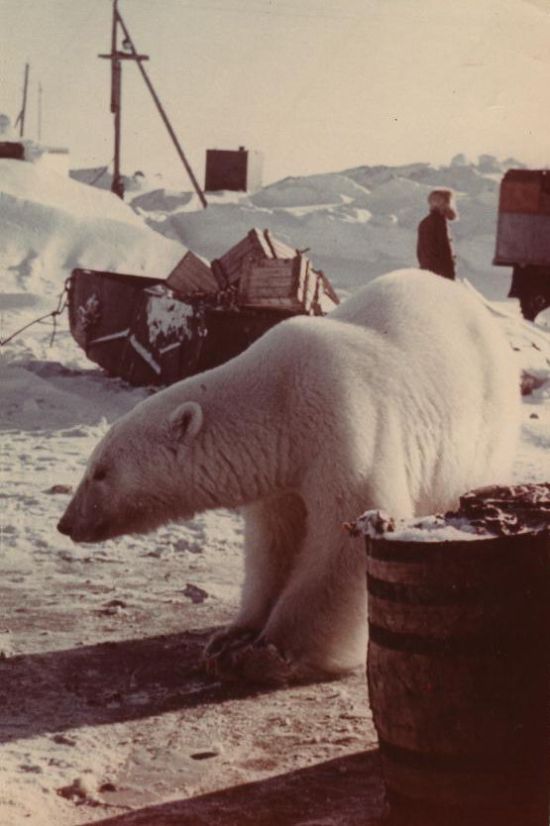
(434, 248)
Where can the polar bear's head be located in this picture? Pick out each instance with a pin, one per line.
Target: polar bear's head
(137, 476)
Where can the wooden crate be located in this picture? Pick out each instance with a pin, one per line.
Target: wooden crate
(289, 283)
(274, 282)
(193, 274)
(256, 246)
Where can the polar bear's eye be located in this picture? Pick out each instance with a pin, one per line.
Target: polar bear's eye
(99, 474)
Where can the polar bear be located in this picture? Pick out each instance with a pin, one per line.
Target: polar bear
(402, 398)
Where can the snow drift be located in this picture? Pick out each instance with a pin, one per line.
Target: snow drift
(52, 224)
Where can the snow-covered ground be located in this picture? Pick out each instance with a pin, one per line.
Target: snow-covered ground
(103, 710)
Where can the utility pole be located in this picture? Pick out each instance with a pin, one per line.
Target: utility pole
(117, 184)
(116, 57)
(21, 116)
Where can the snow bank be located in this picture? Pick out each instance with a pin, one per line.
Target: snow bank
(160, 200)
(315, 189)
(51, 224)
(32, 183)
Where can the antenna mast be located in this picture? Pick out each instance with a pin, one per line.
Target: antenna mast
(21, 116)
(116, 57)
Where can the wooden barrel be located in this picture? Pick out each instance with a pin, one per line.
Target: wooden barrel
(458, 675)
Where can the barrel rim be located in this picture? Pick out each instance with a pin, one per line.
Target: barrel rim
(399, 550)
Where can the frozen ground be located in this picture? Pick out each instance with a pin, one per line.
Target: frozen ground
(104, 714)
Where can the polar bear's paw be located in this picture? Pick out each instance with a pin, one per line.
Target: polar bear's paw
(258, 662)
(227, 641)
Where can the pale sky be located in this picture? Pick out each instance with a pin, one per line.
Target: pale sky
(315, 85)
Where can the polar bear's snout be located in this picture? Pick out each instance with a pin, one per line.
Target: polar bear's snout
(64, 525)
(89, 515)
(82, 523)
(68, 522)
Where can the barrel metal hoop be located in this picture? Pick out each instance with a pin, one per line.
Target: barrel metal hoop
(489, 764)
(472, 645)
(426, 594)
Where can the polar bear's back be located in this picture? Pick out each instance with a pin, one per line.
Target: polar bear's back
(435, 320)
(409, 299)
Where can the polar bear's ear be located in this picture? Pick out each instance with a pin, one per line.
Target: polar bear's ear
(186, 421)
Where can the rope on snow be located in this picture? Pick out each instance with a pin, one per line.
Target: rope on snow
(62, 303)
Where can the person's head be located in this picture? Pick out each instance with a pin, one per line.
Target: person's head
(442, 200)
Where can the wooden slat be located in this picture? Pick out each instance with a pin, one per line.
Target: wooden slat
(192, 274)
(301, 267)
(270, 291)
(288, 303)
(279, 248)
(269, 280)
(253, 247)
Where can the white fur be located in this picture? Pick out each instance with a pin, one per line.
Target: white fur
(403, 398)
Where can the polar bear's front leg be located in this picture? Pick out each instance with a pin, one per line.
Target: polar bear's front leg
(317, 628)
(319, 623)
(274, 532)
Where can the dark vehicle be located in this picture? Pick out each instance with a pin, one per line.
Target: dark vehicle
(523, 237)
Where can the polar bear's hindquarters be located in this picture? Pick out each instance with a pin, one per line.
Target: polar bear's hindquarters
(461, 369)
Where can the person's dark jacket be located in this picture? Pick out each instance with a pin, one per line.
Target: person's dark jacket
(434, 248)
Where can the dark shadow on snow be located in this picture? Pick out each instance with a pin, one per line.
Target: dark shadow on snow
(107, 683)
(347, 790)
(62, 397)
